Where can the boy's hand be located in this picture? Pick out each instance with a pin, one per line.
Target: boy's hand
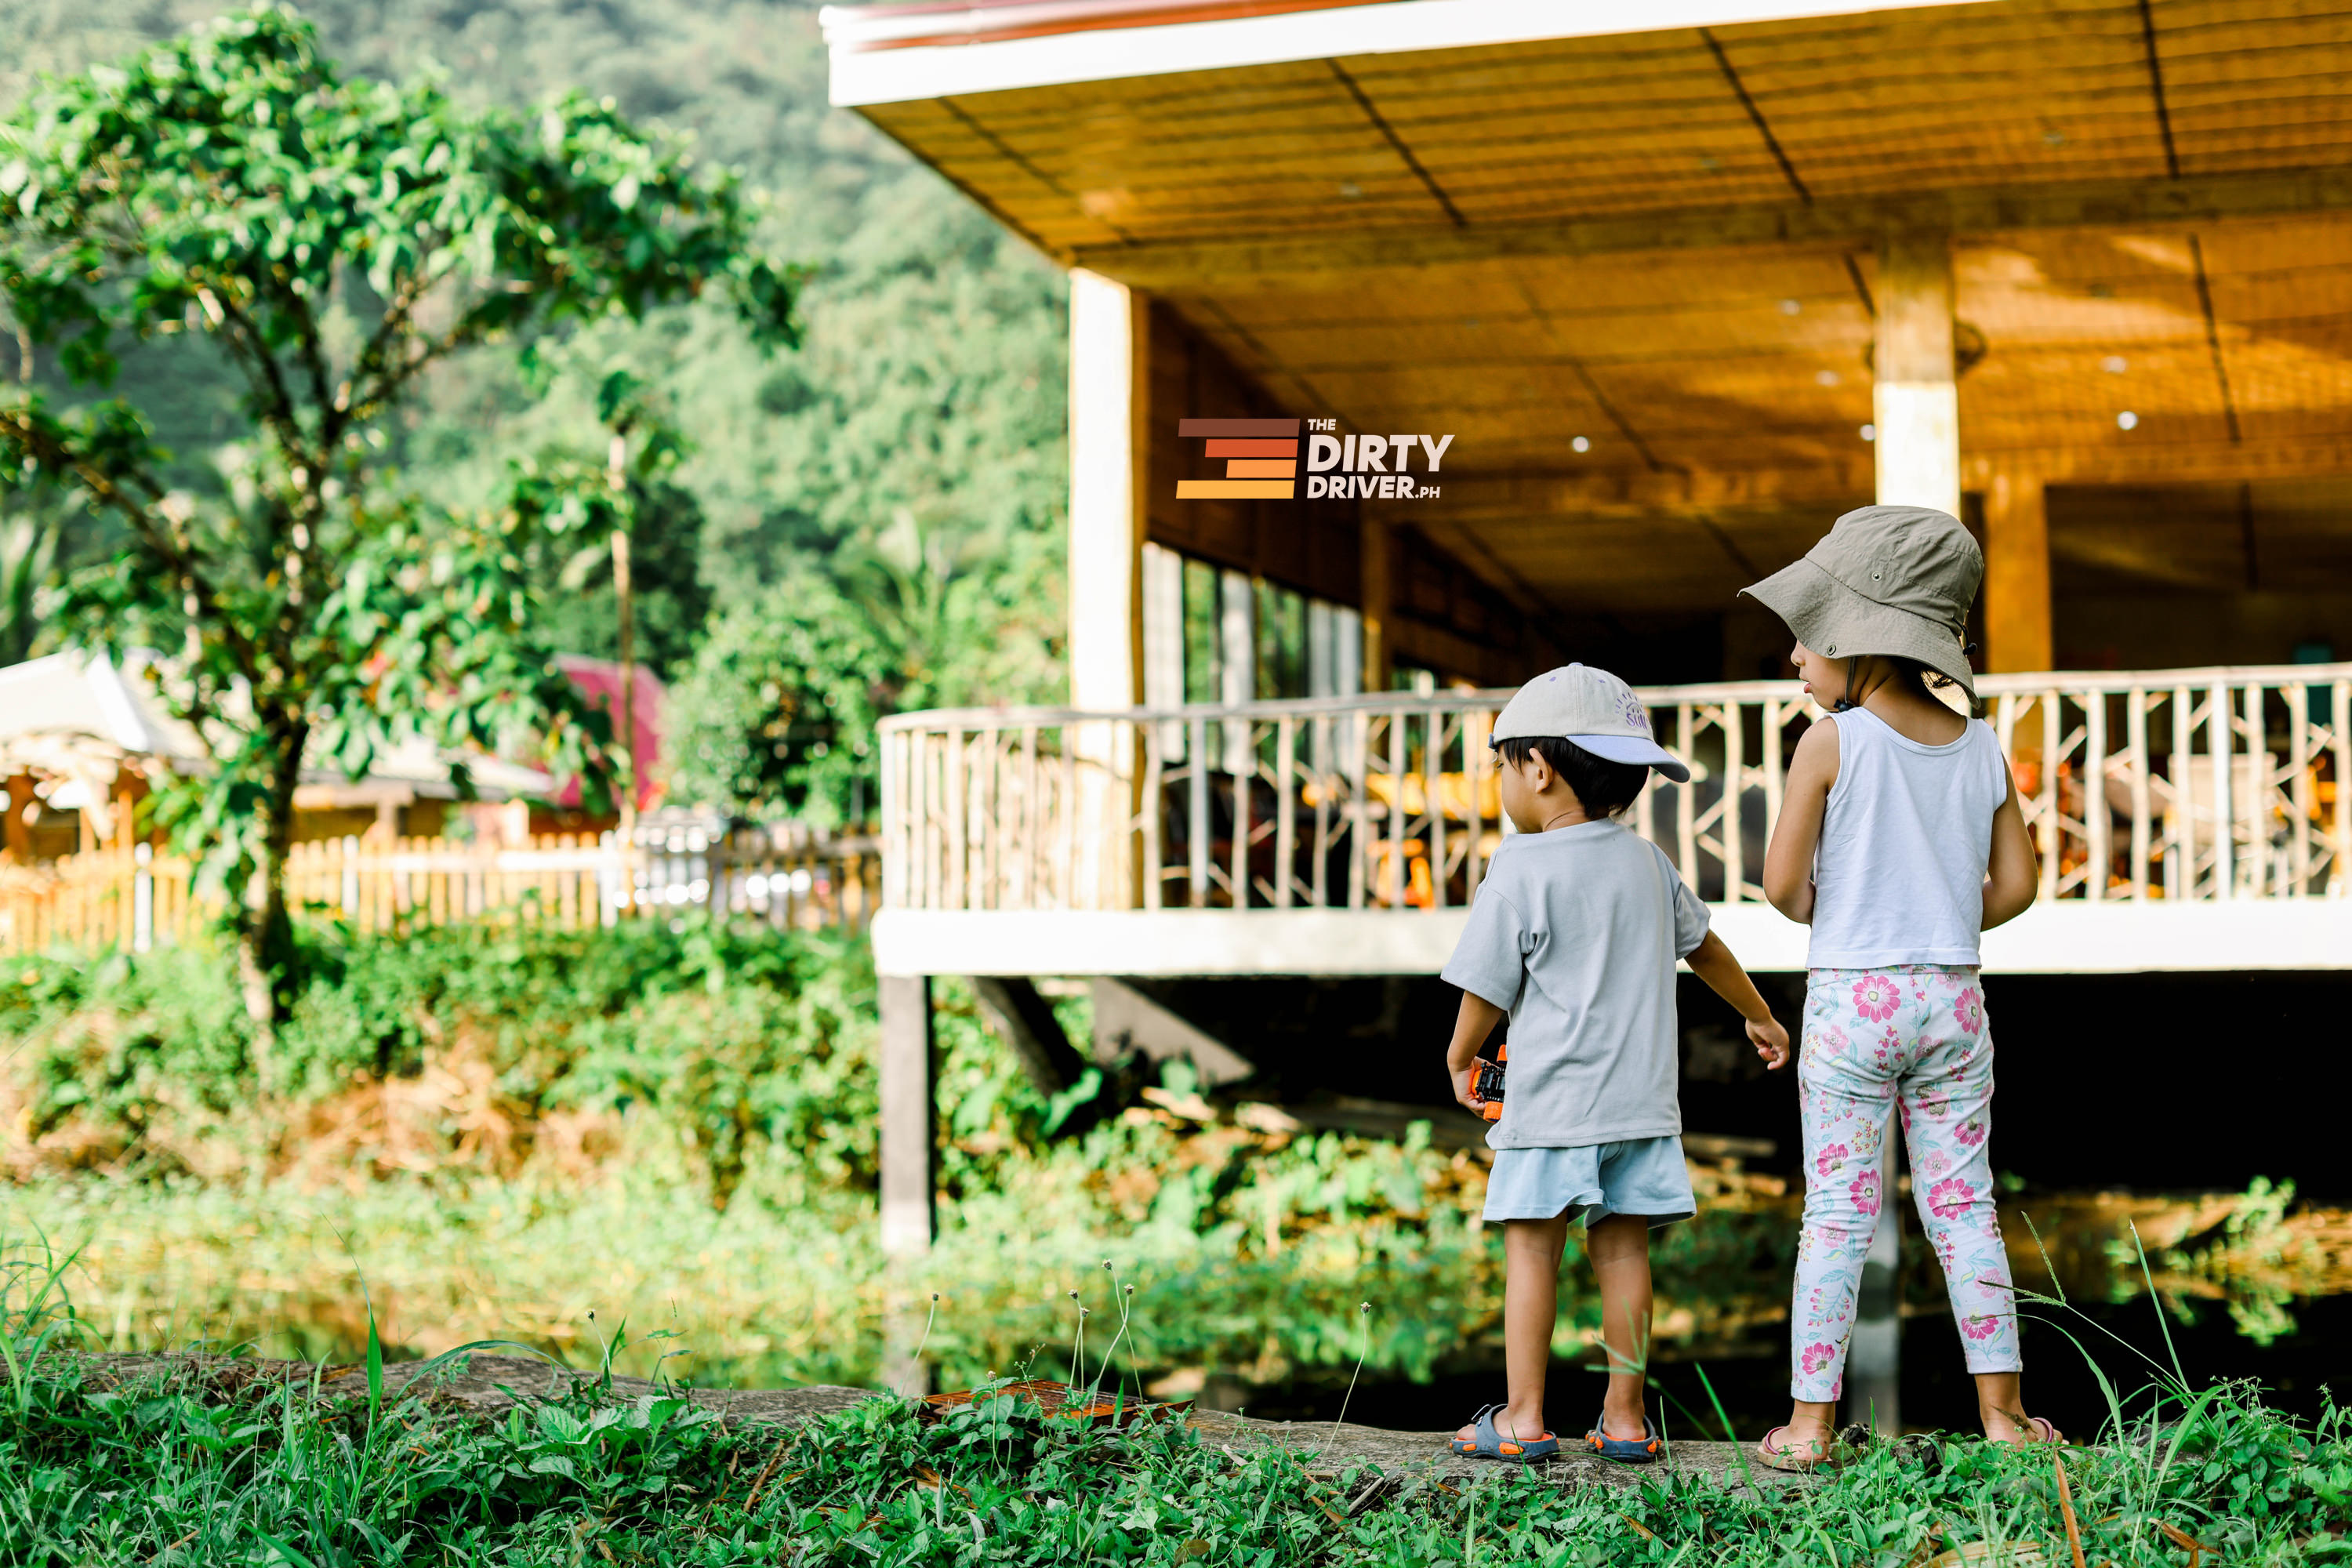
(1466, 1086)
(1771, 1040)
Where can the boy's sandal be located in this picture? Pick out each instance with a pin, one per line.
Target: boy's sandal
(1798, 1459)
(1488, 1444)
(1640, 1451)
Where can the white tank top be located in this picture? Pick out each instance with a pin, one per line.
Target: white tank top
(1898, 877)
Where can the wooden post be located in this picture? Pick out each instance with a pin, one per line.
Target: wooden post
(1378, 589)
(1917, 393)
(1916, 400)
(2017, 574)
(16, 837)
(616, 476)
(1025, 1021)
(909, 1116)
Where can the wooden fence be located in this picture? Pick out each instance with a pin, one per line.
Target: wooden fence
(134, 898)
(2136, 785)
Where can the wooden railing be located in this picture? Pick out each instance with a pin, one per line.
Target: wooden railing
(2137, 785)
(134, 898)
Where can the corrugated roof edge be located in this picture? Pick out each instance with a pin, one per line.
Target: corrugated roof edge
(915, 23)
(898, 54)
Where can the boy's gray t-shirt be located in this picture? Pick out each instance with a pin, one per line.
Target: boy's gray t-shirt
(1575, 932)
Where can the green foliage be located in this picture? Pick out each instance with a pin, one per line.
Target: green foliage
(910, 458)
(775, 715)
(330, 241)
(733, 1040)
(213, 1463)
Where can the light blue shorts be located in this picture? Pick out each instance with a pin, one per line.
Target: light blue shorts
(1646, 1176)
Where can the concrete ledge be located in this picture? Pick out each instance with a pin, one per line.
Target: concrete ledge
(2049, 939)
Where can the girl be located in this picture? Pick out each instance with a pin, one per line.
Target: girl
(1899, 843)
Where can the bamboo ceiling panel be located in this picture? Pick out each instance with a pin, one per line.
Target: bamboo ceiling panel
(2256, 84)
(1973, 95)
(1889, 103)
(2114, 346)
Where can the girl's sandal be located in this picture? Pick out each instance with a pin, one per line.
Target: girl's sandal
(2043, 1432)
(1488, 1444)
(1815, 1454)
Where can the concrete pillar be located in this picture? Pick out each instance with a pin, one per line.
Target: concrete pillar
(1917, 396)
(909, 1118)
(1110, 441)
(1379, 586)
(2017, 574)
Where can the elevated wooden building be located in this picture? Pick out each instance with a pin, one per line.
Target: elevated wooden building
(2078, 270)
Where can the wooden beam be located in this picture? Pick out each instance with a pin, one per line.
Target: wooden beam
(2017, 617)
(1472, 497)
(1306, 261)
(1025, 1021)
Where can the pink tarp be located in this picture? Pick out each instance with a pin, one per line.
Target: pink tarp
(600, 681)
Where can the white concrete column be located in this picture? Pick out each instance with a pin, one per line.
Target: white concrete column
(1917, 395)
(910, 1115)
(1110, 441)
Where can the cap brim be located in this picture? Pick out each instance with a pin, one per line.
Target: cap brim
(1838, 622)
(1634, 749)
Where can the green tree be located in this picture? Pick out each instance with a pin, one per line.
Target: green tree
(332, 240)
(775, 716)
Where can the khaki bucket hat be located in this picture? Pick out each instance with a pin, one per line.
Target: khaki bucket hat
(1888, 579)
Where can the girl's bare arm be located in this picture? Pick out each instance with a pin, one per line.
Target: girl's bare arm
(1804, 799)
(2011, 878)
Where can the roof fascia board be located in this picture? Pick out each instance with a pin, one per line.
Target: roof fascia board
(867, 77)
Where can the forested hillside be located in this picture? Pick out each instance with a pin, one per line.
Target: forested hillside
(882, 504)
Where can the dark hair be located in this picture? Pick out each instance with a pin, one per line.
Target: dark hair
(1926, 677)
(1602, 787)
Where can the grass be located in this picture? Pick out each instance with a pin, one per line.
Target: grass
(230, 1467)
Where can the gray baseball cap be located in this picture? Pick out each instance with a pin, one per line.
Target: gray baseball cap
(1592, 708)
(1889, 580)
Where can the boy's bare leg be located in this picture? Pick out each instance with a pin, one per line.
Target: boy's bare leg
(1531, 1254)
(1620, 1245)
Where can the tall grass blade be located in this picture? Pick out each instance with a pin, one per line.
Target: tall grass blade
(375, 1370)
(1738, 1448)
(2163, 1327)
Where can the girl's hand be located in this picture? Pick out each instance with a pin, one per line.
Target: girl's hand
(1465, 1081)
(1771, 1040)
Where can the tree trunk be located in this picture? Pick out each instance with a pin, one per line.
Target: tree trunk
(265, 957)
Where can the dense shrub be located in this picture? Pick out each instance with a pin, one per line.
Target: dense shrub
(457, 1047)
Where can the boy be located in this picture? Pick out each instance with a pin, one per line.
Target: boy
(1574, 935)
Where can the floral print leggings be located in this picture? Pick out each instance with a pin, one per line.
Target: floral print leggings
(1914, 1037)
